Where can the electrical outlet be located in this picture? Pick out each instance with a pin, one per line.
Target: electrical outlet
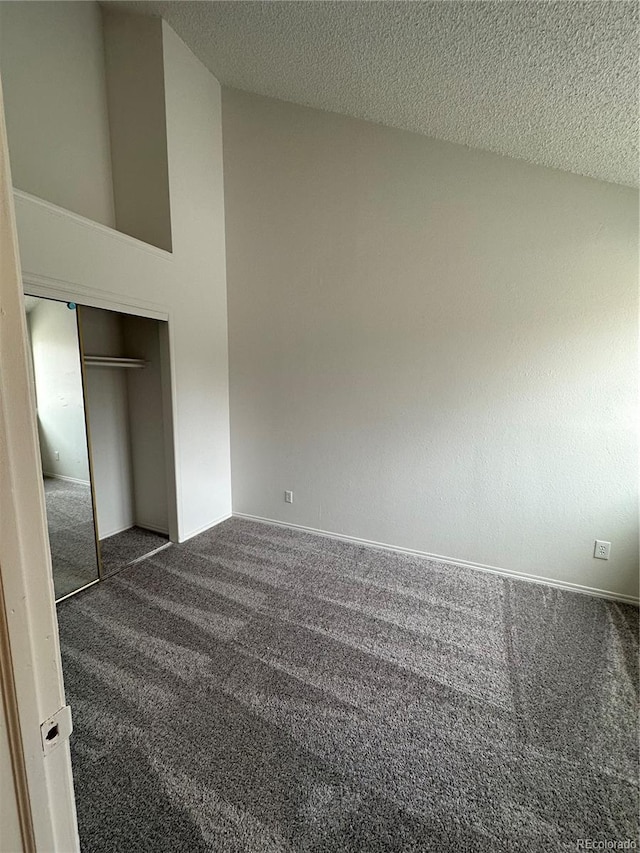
(602, 550)
(288, 497)
(57, 456)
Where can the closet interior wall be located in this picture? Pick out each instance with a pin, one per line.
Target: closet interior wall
(125, 414)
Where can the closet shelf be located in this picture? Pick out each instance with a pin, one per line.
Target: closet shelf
(113, 361)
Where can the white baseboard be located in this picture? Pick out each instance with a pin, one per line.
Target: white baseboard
(117, 530)
(467, 564)
(67, 479)
(151, 527)
(154, 528)
(205, 527)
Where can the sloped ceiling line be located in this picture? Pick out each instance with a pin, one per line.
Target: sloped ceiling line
(554, 83)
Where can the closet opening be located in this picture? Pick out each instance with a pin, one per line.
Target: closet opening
(126, 417)
(103, 398)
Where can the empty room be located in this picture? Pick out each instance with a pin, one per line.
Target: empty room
(319, 523)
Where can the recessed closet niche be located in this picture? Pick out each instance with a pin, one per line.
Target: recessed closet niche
(125, 416)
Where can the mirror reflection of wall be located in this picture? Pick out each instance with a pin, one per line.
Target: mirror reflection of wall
(57, 374)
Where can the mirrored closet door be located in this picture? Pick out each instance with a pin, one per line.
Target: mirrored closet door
(102, 403)
(57, 369)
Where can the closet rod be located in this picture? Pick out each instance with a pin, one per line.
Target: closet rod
(113, 361)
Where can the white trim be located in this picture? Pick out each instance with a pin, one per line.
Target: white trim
(104, 536)
(208, 526)
(48, 287)
(465, 564)
(28, 612)
(92, 225)
(173, 458)
(154, 528)
(68, 479)
(63, 290)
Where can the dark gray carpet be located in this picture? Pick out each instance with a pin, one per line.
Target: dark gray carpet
(259, 689)
(126, 547)
(71, 535)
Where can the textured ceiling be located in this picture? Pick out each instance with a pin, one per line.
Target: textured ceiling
(554, 83)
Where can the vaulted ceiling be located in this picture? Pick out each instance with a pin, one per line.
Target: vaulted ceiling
(554, 83)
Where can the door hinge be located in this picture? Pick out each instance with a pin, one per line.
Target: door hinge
(56, 729)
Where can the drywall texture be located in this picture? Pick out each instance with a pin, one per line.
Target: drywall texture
(108, 416)
(59, 399)
(553, 83)
(125, 413)
(52, 63)
(433, 347)
(69, 257)
(146, 423)
(137, 122)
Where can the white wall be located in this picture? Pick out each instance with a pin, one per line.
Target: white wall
(125, 410)
(197, 289)
(146, 424)
(59, 397)
(434, 347)
(137, 121)
(108, 411)
(69, 257)
(52, 61)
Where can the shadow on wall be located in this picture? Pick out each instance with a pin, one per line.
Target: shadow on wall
(434, 347)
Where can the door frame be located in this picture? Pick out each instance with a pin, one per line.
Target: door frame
(32, 682)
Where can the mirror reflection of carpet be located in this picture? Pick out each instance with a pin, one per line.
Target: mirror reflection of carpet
(71, 536)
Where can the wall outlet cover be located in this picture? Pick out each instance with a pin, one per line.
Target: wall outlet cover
(602, 550)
